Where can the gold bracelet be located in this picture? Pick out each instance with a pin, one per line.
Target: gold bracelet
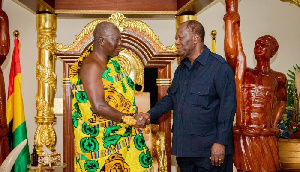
(129, 120)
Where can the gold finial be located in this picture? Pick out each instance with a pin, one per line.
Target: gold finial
(213, 34)
(16, 34)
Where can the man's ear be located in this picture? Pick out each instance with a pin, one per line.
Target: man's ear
(100, 41)
(196, 38)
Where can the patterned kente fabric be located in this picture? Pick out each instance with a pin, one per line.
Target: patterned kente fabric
(102, 144)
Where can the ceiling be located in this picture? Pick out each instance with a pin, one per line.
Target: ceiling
(104, 8)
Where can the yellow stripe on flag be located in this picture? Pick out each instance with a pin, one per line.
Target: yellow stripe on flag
(9, 109)
(15, 104)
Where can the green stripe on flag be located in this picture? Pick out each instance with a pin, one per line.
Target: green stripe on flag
(23, 159)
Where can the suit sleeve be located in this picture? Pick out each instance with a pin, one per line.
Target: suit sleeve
(166, 103)
(225, 85)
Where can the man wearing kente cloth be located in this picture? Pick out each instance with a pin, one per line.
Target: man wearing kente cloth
(104, 111)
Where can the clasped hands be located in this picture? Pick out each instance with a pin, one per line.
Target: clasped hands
(142, 120)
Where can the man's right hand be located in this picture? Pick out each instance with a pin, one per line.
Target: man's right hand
(147, 117)
(142, 119)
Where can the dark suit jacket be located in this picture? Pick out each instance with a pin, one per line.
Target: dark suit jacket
(202, 96)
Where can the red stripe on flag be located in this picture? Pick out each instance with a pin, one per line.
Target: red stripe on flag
(15, 67)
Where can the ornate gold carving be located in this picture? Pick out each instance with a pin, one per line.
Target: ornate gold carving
(162, 81)
(43, 107)
(46, 75)
(296, 2)
(45, 135)
(130, 62)
(46, 30)
(123, 24)
(161, 152)
(46, 41)
(49, 159)
(118, 19)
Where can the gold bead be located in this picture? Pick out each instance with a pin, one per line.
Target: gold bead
(213, 34)
(16, 33)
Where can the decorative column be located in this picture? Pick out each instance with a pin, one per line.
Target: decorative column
(183, 18)
(163, 83)
(45, 74)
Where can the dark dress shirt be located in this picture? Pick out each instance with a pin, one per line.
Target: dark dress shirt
(202, 96)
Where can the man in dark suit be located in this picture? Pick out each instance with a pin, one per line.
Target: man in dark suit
(202, 96)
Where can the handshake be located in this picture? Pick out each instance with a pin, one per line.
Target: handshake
(142, 119)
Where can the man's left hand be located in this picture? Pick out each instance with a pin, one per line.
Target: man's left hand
(217, 154)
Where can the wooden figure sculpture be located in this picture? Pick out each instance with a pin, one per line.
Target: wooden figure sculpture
(261, 98)
(4, 48)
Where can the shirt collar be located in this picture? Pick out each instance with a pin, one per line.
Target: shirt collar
(202, 58)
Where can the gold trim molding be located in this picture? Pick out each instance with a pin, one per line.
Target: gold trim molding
(296, 2)
(65, 82)
(123, 24)
(163, 81)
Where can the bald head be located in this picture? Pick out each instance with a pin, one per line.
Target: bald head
(104, 29)
(107, 39)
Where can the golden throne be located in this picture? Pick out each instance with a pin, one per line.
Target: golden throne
(141, 49)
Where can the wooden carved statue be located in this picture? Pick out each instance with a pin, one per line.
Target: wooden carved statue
(4, 48)
(261, 98)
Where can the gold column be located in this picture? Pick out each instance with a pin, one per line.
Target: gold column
(184, 18)
(45, 74)
(180, 19)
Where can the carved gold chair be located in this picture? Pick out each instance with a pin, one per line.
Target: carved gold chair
(141, 49)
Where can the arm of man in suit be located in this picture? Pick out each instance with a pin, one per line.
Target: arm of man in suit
(225, 86)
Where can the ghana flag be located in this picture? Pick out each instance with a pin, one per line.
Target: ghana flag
(15, 111)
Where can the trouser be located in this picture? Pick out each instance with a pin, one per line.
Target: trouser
(203, 164)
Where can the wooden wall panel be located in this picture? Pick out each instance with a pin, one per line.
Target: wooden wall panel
(117, 5)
